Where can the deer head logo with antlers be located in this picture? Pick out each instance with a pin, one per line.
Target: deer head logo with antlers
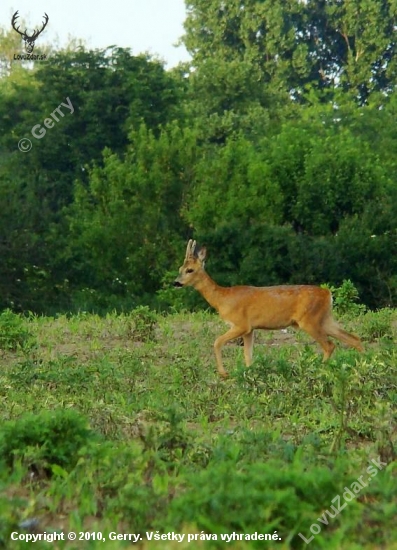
(29, 40)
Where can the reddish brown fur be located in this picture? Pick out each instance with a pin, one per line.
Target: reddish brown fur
(246, 308)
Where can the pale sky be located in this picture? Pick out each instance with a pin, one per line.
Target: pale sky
(152, 26)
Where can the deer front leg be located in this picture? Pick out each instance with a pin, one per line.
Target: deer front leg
(248, 347)
(231, 334)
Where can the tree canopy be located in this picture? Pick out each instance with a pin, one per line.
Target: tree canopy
(275, 147)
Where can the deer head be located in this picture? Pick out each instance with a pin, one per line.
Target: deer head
(192, 267)
(29, 40)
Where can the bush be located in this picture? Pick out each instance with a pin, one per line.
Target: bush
(144, 323)
(377, 324)
(345, 299)
(45, 439)
(13, 332)
(260, 497)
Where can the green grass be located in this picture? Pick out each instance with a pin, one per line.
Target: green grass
(122, 424)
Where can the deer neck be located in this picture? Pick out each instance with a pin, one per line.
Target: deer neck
(209, 290)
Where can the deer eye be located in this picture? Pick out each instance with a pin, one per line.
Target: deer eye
(189, 270)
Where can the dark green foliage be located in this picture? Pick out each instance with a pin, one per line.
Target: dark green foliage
(44, 439)
(275, 148)
(291, 48)
(226, 499)
(112, 93)
(143, 194)
(345, 299)
(311, 205)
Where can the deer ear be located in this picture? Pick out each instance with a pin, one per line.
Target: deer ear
(202, 254)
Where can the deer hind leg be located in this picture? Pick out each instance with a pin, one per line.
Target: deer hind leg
(320, 335)
(333, 329)
(231, 334)
(248, 347)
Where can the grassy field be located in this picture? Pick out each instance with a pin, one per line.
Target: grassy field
(121, 425)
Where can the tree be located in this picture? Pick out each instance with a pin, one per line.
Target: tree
(286, 48)
(125, 227)
(111, 93)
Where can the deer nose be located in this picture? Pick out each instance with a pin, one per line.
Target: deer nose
(177, 284)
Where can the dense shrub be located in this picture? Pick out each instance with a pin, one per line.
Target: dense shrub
(41, 440)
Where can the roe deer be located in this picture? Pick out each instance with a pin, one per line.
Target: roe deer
(246, 308)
